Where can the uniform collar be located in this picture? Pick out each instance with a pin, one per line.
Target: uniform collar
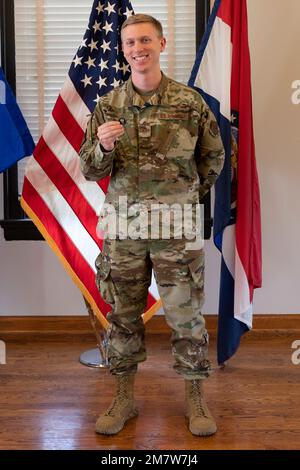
(134, 99)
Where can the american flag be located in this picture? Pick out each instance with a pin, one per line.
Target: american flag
(56, 196)
(222, 75)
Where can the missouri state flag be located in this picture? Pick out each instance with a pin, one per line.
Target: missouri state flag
(223, 77)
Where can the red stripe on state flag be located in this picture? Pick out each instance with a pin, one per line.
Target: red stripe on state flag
(67, 123)
(64, 243)
(225, 11)
(67, 187)
(248, 224)
(240, 72)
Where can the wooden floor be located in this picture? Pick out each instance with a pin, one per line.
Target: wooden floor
(49, 400)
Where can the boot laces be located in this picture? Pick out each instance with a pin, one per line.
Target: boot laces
(120, 398)
(198, 399)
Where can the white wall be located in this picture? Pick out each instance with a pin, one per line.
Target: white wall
(274, 42)
(32, 281)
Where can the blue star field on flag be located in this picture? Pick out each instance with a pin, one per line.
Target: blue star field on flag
(99, 64)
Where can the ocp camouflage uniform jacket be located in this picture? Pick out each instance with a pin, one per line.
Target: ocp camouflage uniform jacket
(171, 151)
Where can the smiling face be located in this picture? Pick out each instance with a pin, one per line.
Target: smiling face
(142, 47)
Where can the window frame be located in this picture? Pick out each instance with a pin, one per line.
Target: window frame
(15, 223)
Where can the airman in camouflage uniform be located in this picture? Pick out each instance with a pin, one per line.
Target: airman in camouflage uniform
(167, 150)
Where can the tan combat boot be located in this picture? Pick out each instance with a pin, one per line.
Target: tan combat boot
(121, 409)
(201, 421)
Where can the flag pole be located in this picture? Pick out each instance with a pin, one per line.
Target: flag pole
(96, 357)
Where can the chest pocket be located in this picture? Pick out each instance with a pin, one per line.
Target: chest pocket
(174, 132)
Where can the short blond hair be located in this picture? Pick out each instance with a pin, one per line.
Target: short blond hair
(142, 18)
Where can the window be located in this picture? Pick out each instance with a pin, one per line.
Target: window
(45, 35)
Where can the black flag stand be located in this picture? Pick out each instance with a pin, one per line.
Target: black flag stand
(96, 357)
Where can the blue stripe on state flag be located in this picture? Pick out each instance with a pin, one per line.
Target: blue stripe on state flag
(203, 44)
(15, 139)
(231, 329)
(222, 211)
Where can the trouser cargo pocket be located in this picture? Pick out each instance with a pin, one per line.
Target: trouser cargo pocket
(104, 281)
(196, 268)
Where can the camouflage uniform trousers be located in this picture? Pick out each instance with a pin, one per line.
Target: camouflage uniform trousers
(124, 269)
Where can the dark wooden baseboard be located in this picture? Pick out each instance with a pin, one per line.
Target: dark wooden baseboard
(280, 324)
